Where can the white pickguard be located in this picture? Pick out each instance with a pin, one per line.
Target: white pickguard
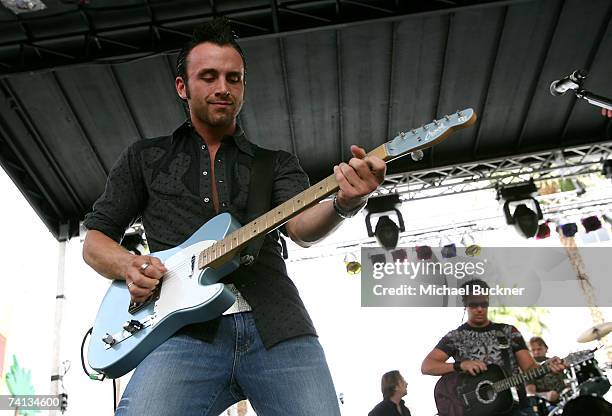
(181, 288)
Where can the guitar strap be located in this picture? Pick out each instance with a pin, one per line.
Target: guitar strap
(506, 348)
(260, 198)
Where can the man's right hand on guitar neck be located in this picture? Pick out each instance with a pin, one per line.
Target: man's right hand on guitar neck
(473, 367)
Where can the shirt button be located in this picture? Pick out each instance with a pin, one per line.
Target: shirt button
(223, 204)
(206, 199)
(203, 147)
(220, 180)
(204, 173)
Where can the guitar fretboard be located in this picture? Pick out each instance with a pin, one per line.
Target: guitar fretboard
(235, 241)
(517, 379)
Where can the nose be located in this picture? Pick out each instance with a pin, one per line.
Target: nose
(222, 90)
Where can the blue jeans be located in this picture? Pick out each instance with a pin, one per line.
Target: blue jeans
(186, 376)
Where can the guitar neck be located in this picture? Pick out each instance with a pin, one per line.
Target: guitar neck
(522, 378)
(220, 251)
(408, 142)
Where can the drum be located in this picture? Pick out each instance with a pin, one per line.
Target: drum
(586, 405)
(590, 379)
(537, 406)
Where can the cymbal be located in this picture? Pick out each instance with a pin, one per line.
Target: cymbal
(596, 332)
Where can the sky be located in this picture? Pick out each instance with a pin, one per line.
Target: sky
(360, 343)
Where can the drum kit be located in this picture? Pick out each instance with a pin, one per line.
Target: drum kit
(586, 384)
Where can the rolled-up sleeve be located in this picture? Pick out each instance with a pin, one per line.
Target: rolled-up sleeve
(123, 198)
(289, 178)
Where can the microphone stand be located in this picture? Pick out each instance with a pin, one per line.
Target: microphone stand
(596, 100)
(576, 79)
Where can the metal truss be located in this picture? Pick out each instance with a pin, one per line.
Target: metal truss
(102, 30)
(495, 173)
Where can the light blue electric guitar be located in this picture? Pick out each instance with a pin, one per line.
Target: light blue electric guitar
(189, 292)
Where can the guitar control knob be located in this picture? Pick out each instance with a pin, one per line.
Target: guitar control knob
(108, 339)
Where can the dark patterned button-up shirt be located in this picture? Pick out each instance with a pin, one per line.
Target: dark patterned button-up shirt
(167, 183)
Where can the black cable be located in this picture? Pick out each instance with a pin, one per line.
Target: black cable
(114, 395)
(93, 376)
(96, 376)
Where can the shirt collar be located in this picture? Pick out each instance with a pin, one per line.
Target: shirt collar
(238, 137)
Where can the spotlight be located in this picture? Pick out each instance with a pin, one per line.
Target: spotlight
(591, 223)
(386, 231)
(352, 264)
(524, 218)
(449, 251)
(399, 255)
(569, 229)
(607, 168)
(472, 248)
(543, 231)
(424, 252)
(378, 258)
(23, 6)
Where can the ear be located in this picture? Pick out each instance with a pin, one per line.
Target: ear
(181, 88)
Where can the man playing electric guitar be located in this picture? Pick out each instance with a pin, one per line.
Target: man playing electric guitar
(479, 343)
(265, 347)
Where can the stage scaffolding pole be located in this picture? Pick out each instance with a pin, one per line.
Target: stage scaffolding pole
(60, 298)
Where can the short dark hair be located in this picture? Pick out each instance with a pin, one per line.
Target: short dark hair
(389, 382)
(538, 340)
(469, 285)
(217, 31)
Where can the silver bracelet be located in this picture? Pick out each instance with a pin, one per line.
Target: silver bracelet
(347, 214)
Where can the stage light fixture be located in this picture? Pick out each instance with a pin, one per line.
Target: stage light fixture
(543, 231)
(424, 252)
(472, 248)
(399, 255)
(523, 218)
(449, 251)
(386, 231)
(591, 223)
(378, 258)
(607, 168)
(23, 6)
(353, 266)
(569, 229)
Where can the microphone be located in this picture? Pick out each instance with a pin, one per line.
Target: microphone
(571, 82)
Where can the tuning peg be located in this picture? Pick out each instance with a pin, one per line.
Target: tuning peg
(436, 122)
(417, 155)
(402, 135)
(413, 131)
(447, 117)
(425, 127)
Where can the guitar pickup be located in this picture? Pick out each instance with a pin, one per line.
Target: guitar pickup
(133, 326)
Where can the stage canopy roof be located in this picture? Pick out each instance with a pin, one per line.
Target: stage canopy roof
(82, 79)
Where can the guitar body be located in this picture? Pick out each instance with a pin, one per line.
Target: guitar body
(187, 295)
(473, 395)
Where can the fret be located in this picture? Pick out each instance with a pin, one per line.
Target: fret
(298, 201)
(241, 236)
(216, 251)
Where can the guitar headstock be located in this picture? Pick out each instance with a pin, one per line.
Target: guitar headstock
(429, 134)
(579, 357)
